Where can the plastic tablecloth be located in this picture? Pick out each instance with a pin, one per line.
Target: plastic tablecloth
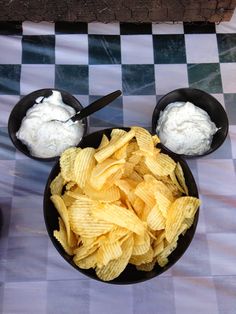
(145, 61)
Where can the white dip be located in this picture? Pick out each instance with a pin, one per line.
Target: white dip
(43, 137)
(185, 128)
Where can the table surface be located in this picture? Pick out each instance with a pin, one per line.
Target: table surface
(145, 62)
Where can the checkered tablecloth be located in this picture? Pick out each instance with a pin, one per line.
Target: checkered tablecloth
(144, 61)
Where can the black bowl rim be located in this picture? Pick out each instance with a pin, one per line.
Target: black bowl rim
(85, 122)
(154, 115)
(93, 276)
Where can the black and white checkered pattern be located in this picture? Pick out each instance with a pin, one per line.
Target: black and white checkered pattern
(144, 61)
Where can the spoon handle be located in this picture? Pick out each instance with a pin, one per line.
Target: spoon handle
(96, 105)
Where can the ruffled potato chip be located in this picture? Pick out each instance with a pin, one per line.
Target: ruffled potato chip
(57, 184)
(83, 166)
(61, 237)
(67, 161)
(115, 267)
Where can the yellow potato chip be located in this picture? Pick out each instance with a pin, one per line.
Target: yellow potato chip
(107, 252)
(115, 267)
(116, 134)
(173, 188)
(146, 266)
(167, 250)
(99, 169)
(155, 219)
(124, 186)
(161, 192)
(83, 223)
(191, 205)
(142, 168)
(113, 178)
(143, 191)
(132, 147)
(160, 165)
(113, 146)
(163, 203)
(144, 140)
(89, 261)
(142, 259)
(175, 181)
(121, 153)
(99, 182)
(162, 261)
(83, 251)
(145, 213)
(57, 184)
(117, 233)
(180, 176)
(83, 166)
(158, 248)
(104, 142)
(189, 221)
(108, 195)
(135, 158)
(135, 177)
(67, 160)
(128, 169)
(155, 140)
(67, 199)
(183, 207)
(119, 216)
(141, 244)
(61, 237)
(62, 211)
(89, 241)
(138, 206)
(160, 236)
(71, 185)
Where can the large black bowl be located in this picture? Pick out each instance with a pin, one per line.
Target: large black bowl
(130, 274)
(202, 100)
(20, 109)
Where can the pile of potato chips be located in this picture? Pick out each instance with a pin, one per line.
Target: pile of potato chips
(124, 202)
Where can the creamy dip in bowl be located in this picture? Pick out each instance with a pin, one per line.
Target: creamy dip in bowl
(198, 130)
(32, 131)
(185, 128)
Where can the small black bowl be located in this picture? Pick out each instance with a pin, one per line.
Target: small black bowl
(19, 112)
(202, 100)
(130, 275)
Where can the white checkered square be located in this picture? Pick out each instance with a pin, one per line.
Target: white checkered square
(232, 135)
(11, 50)
(228, 75)
(169, 77)
(137, 49)
(41, 28)
(222, 253)
(104, 79)
(7, 103)
(137, 110)
(35, 77)
(102, 298)
(7, 170)
(201, 48)
(97, 28)
(195, 295)
(216, 177)
(168, 28)
(25, 297)
(71, 49)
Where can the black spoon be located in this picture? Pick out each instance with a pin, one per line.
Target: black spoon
(93, 107)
